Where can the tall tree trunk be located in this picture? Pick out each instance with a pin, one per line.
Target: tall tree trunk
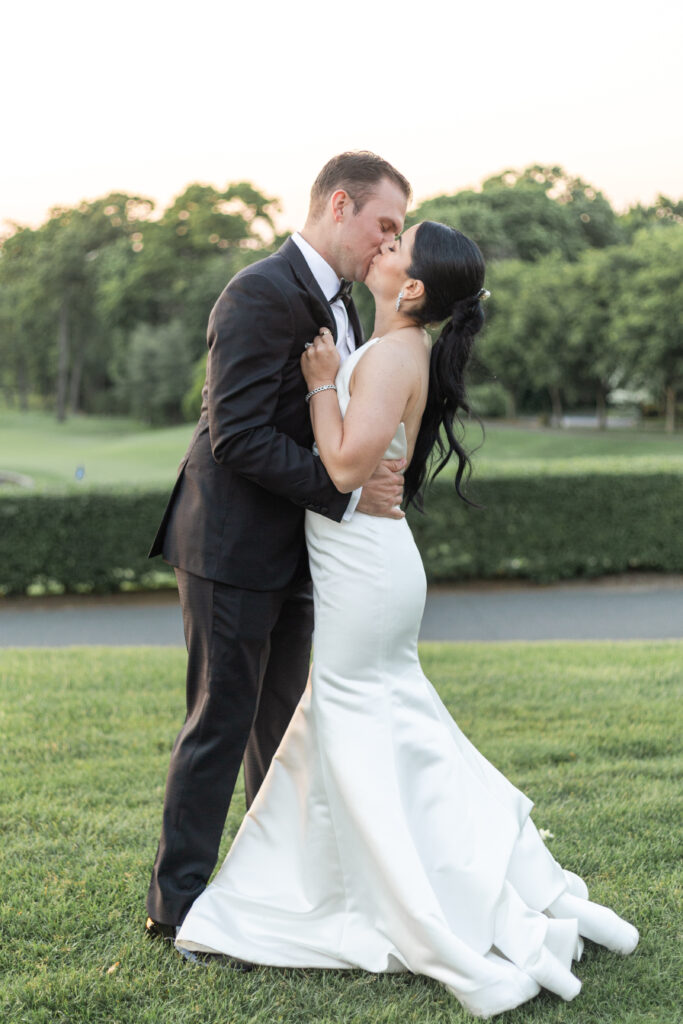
(556, 400)
(601, 407)
(75, 380)
(510, 405)
(670, 417)
(63, 359)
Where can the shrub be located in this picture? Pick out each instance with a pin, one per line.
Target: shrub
(156, 372)
(536, 525)
(489, 400)
(192, 399)
(92, 540)
(546, 527)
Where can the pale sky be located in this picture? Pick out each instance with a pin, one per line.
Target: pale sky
(145, 96)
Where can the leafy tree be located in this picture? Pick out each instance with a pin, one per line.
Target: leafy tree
(107, 297)
(587, 210)
(74, 291)
(501, 348)
(526, 343)
(23, 323)
(201, 225)
(528, 214)
(664, 212)
(156, 372)
(647, 316)
(182, 263)
(192, 399)
(542, 321)
(604, 360)
(66, 271)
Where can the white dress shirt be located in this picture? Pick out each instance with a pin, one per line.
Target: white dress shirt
(329, 284)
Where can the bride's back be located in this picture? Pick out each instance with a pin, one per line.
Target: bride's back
(400, 359)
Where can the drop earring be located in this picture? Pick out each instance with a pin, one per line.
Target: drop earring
(398, 300)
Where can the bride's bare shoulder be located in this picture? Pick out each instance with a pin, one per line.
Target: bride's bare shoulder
(397, 345)
(404, 346)
(396, 355)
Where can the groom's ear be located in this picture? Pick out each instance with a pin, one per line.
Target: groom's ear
(339, 202)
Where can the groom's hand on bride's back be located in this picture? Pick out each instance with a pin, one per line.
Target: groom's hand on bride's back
(382, 494)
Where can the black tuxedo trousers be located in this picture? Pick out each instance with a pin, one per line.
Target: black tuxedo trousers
(248, 658)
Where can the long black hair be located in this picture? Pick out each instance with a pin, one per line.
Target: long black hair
(451, 267)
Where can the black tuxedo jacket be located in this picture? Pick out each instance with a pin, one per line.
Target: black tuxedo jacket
(236, 513)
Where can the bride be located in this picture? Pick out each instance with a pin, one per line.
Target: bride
(381, 838)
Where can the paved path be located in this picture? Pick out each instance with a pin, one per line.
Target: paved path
(618, 608)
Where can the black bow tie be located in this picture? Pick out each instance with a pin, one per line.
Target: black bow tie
(344, 292)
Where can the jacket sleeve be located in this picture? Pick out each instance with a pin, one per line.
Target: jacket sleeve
(251, 331)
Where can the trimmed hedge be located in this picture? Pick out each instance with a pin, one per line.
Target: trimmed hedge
(543, 527)
(79, 541)
(550, 527)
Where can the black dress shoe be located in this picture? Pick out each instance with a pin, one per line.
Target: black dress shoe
(157, 930)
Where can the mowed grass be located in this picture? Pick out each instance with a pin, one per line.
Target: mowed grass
(108, 449)
(512, 449)
(113, 450)
(590, 731)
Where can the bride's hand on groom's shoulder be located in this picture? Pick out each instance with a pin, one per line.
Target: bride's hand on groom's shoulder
(382, 494)
(320, 360)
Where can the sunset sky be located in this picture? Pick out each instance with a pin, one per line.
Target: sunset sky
(146, 97)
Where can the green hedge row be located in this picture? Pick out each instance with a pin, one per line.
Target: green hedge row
(543, 527)
(550, 527)
(79, 541)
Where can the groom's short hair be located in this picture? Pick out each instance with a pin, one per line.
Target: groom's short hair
(359, 174)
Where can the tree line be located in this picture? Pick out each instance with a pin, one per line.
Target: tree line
(103, 308)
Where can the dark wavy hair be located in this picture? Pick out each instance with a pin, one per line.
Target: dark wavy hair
(451, 267)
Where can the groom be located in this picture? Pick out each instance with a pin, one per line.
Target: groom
(234, 525)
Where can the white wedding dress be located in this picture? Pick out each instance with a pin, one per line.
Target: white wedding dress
(381, 838)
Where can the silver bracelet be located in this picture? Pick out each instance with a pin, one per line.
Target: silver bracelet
(323, 387)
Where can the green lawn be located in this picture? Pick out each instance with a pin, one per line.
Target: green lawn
(119, 450)
(110, 449)
(591, 731)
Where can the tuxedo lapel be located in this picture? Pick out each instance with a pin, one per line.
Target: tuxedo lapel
(319, 304)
